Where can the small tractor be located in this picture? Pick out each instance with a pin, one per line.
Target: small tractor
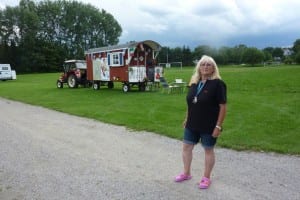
(75, 73)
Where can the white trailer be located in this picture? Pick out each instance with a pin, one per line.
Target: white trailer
(6, 73)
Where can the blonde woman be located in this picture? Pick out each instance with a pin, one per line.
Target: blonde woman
(206, 110)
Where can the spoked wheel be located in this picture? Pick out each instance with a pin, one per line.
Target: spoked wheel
(96, 85)
(126, 87)
(59, 84)
(72, 81)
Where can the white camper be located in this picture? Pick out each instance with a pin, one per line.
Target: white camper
(6, 73)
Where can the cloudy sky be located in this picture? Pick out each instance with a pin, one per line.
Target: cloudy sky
(175, 23)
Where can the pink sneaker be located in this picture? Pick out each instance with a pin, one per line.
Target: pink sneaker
(204, 183)
(182, 177)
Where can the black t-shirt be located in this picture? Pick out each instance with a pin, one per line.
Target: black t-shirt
(203, 115)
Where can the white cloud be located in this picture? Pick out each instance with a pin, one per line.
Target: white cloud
(194, 22)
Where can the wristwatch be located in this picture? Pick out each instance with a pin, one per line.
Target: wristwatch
(219, 127)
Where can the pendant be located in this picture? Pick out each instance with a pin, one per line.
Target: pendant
(195, 100)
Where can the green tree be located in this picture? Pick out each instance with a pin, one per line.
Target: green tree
(163, 56)
(288, 60)
(253, 56)
(10, 37)
(28, 25)
(267, 56)
(176, 55)
(296, 46)
(49, 32)
(297, 57)
(203, 50)
(187, 58)
(269, 50)
(77, 26)
(224, 55)
(9, 20)
(278, 53)
(238, 54)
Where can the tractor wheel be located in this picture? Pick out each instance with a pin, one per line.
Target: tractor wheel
(126, 87)
(59, 84)
(72, 81)
(96, 85)
(110, 84)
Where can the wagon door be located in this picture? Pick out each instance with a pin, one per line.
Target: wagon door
(101, 70)
(137, 74)
(137, 68)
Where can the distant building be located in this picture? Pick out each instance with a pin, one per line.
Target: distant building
(287, 51)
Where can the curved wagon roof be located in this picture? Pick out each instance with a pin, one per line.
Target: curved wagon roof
(154, 45)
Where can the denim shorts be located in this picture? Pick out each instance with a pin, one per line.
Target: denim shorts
(193, 137)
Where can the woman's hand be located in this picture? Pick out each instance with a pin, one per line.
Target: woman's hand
(184, 123)
(216, 132)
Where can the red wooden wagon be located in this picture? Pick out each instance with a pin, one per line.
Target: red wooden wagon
(133, 64)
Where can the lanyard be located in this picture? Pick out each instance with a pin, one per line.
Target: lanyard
(199, 88)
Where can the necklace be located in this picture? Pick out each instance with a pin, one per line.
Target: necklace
(199, 88)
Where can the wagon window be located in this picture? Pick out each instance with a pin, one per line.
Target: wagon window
(116, 59)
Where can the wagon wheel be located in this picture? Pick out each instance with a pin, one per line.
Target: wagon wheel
(142, 87)
(59, 84)
(110, 84)
(72, 81)
(96, 85)
(126, 87)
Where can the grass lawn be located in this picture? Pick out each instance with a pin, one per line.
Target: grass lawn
(263, 105)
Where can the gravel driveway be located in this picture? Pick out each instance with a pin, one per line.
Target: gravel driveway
(46, 154)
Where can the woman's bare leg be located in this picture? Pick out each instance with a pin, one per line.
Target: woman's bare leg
(209, 161)
(187, 156)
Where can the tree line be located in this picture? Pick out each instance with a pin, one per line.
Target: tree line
(38, 37)
(240, 54)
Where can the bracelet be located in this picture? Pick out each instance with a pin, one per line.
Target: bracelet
(219, 127)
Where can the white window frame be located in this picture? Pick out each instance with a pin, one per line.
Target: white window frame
(116, 59)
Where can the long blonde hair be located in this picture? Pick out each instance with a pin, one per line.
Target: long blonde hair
(196, 77)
